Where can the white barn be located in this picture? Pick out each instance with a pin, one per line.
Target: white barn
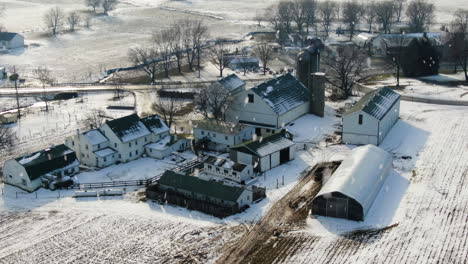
(226, 169)
(371, 118)
(270, 105)
(219, 135)
(353, 188)
(9, 40)
(26, 172)
(265, 153)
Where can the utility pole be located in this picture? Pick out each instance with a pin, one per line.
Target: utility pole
(14, 78)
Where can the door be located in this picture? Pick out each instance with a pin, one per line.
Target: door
(258, 131)
(337, 207)
(284, 155)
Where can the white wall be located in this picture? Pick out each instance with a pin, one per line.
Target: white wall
(293, 114)
(258, 112)
(15, 174)
(354, 133)
(245, 198)
(389, 121)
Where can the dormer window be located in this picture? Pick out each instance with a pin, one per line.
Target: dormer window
(250, 98)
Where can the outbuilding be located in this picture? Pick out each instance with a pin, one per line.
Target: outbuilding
(265, 153)
(10, 40)
(233, 84)
(220, 136)
(352, 189)
(371, 118)
(227, 169)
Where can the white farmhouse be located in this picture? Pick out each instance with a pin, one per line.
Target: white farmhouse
(270, 105)
(265, 153)
(226, 169)
(26, 172)
(9, 40)
(371, 118)
(220, 136)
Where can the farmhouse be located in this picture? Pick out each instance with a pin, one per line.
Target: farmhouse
(233, 84)
(371, 118)
(220, 136)
(265, 153)
(226, 169)
(208, 196)
(9, 40)
(352, 189)
(272, 104)
(26, 172)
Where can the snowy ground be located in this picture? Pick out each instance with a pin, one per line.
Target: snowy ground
(437, 86)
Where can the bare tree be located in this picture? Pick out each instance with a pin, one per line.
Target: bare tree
(95, 119)
(310, 8)
(345, 70)
(163, 41)
(109, 5)
(193, 33)
(394, 50)
(145, 59)
(167, 108)
(6, 137)
(53, 19)
(400, 6)
(385, 12)
(285, 13)
(458, 40)
(299, 15)
(87, 22)
(420, 14)
(352, 13)
(73, 20)
(265, 54)
(259, 17)
(327, 14)
(244, 64)
(93, 4)
(369, 15)
(2, 11)
(44, 76)
(217, 55)
(175, 34)
(213, 99)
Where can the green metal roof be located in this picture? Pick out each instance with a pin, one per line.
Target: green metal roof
(264, 146)
(128, 127)
(47, 160)
(376, 103)
(194, 184)
(283, 93)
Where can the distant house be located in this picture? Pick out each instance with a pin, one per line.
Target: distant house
(244, 62)
(194, 193)
(9, 40)
(354, 186)
(233, 84)
(270, 105)
(220, 136)
(26, 172)
(371, 118)
(118, 140)
(379, 44)
(226, 169)
(166, 146)
(265, 154)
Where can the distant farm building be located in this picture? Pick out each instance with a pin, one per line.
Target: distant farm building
(211, 197)
(166, 146)
(8, 118)
(9, 40)
(371, 118)
(227, 169)
(265, 153)
(244, 62)
(219, 135)
(353, 188)
(233, 84)
(382, 42)
(27, 172)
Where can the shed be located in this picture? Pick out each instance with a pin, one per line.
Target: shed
(371, 118)
(264, 153)
(227, 169)
(11, 40)
(352, 189)
(233, 84)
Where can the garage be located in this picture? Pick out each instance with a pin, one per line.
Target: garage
(352, 189)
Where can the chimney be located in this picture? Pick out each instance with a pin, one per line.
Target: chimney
(317, 94)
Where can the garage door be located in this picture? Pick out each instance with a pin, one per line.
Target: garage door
(337, 207)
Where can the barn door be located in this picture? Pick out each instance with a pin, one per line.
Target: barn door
(337, 207)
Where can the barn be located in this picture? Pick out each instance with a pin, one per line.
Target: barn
(352, 189)
(371, 118)
(264, 154)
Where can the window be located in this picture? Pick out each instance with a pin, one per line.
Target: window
(203, 132)
(73, 143)
(226, 137)
(130, 154)
(360, 119)
(105, 159)
(217, 169)
(151, 150)
(10, 176)
(23, 181)
(209, 167)
(130, 144)
(98, 146)
(251, 98)
(226, 171)
(146, 139)
(82, 155)
(136, 152)
(234, 173)
(136, 142)
(86, 146)
(214, 135)
(120, 156)
(115, 145)
(268, 130)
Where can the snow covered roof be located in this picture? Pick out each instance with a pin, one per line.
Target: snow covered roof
(405, 39)
(95, 137)
(220, 127)
(128, 128)
(104, 152)
(224, 163)
(7, 36)
(155, 124)
(46, 161)
(232, 82)
(194, 184)
(265, 146)
(376, 103)
(283, 93)
(161, 144)
(361, 175)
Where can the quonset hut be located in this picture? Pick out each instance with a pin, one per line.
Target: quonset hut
(352, 189)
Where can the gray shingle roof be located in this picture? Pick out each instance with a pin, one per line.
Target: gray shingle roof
(194, 184)
(283, 93)
(265, 146)
(376, 103)
(155, 124)
(128, 128)
(7, 36)
(231, 82)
